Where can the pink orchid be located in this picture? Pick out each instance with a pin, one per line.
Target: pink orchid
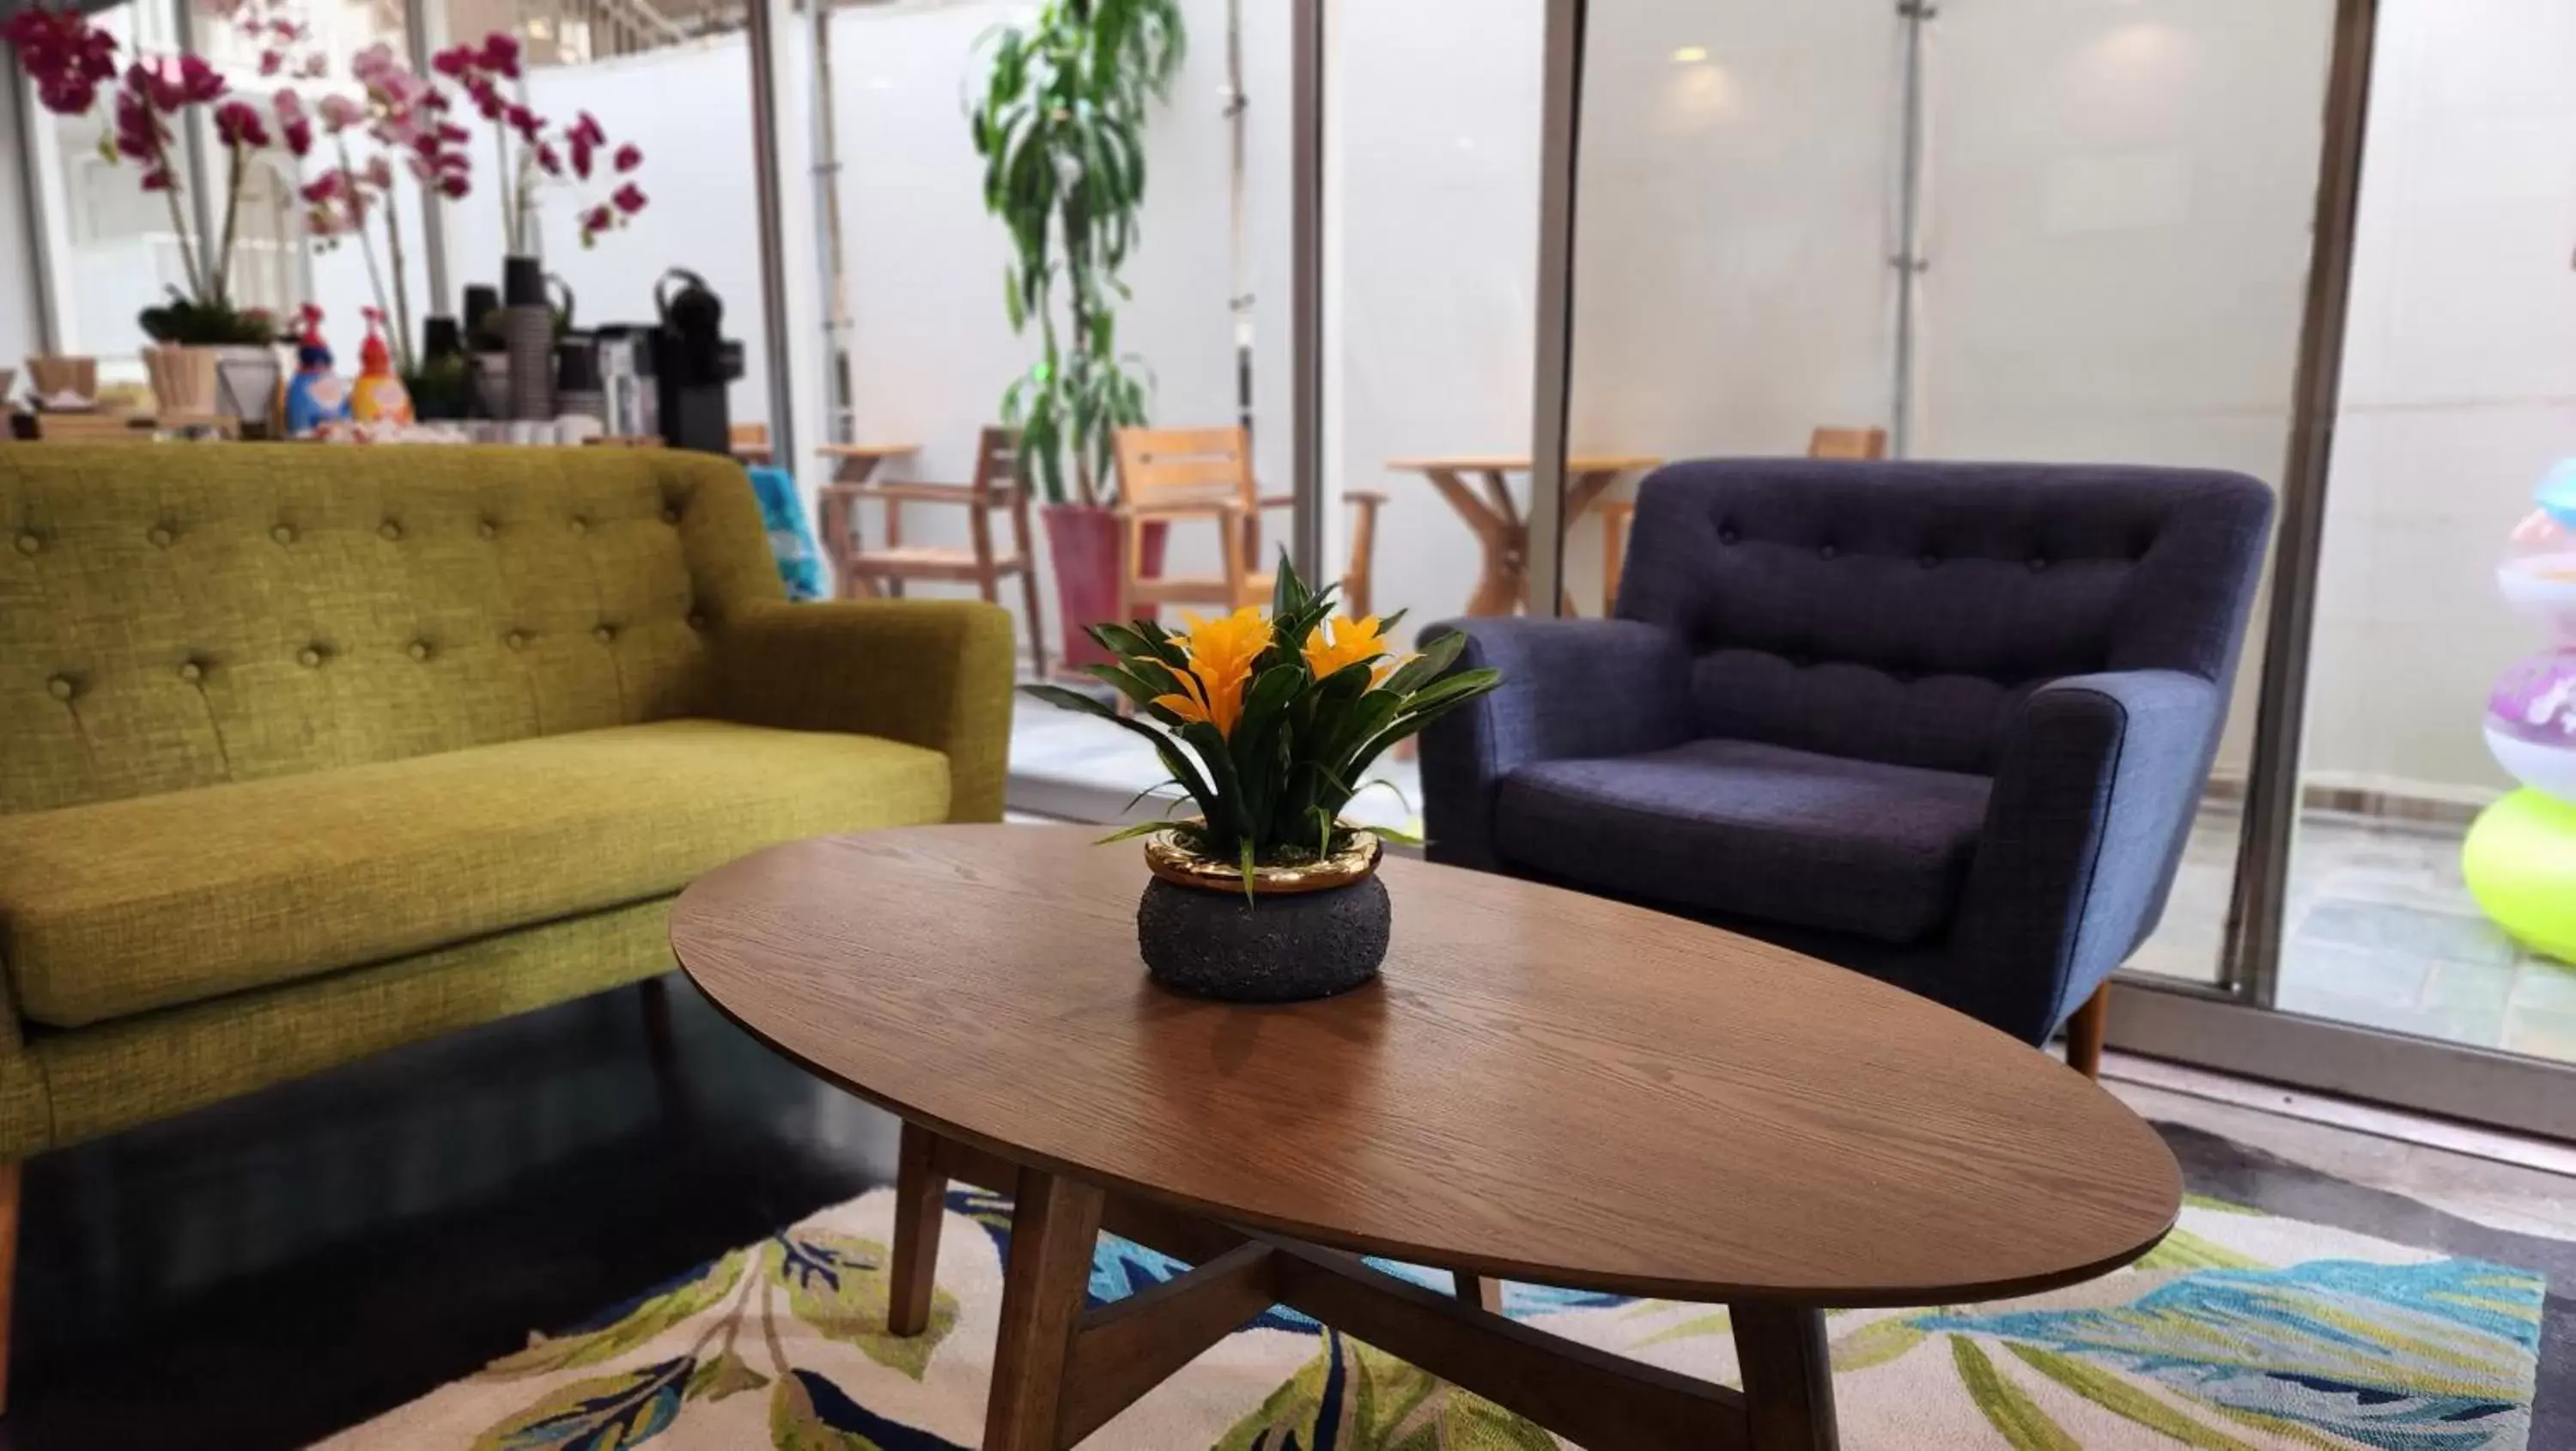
(629, 157)
(339, 113)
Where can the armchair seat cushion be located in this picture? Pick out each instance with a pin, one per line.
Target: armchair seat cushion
(121, 907)
(1743, 828)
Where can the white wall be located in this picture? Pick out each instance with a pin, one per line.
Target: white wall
(2459, 386)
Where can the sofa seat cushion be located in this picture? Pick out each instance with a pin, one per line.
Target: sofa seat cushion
(125, 906)
(1753, 830)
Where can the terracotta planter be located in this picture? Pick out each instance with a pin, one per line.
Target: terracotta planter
(1085, 540)
(55, 375)
(183, 380)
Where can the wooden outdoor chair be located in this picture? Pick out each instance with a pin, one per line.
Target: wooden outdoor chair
(1847, 443)
(1618, 515)
(1195, 472)
(998, 485)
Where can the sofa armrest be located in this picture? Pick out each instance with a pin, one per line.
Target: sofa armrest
(1572, 689)
(2100, 779)
(934, 673)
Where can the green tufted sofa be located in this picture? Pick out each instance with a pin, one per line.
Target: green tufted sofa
(307, 752)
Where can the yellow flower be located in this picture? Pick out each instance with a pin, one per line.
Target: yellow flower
(1346, 641)
(1221, 652)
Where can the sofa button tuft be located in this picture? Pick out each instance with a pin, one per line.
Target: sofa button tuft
(59, 688)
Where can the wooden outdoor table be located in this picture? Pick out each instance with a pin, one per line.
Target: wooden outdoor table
(1499, 525)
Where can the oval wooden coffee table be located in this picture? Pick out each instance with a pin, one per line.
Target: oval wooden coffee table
(1544, 1087)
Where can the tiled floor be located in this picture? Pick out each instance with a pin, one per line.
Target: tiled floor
(2381, 931)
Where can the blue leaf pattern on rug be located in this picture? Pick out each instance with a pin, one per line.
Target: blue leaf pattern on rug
(2245, 1330)
(2417, 1357)
(601, 1414)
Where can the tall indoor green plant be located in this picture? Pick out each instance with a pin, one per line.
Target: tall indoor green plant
(1060, 126)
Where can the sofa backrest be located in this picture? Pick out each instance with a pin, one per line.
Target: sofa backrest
(178, 615)
(1901, 611)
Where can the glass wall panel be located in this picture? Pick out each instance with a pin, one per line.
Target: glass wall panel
(2459, 397)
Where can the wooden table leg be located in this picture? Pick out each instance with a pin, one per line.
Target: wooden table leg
(1482, 1291)
(1788, 1377)
(1498, 590)
(920, 1201)
(1054, 1225)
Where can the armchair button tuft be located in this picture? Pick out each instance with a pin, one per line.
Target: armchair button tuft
(161, 538)
(418, 650)
(1726, 534)
(1829, 552)
(389, 531)
(697, 620)
(516, 639)
(309, 657)
(2038, 564)
(580, 525)
(486, 529)
(283, 533)
(670, 513)
(29, 544)
(191, 672)
(604, 633)
(1931, 561)
(59, 688)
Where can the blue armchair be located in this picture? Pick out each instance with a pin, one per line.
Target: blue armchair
(1945, 724)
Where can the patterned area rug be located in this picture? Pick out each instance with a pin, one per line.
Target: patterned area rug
(2242, 1330)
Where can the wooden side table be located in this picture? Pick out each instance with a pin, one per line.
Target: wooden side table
(1497, 521)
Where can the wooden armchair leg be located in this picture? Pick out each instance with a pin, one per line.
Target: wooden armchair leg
(2084, 1033)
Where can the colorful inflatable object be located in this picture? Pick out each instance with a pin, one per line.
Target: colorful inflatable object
(2520, 858)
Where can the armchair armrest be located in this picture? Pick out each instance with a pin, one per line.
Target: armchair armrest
(933, 673)
(2100, 778)
(1572, 689)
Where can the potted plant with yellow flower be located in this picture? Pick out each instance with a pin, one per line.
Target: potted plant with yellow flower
(1268, 727)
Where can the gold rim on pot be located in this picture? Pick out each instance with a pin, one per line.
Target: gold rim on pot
(1355, 860)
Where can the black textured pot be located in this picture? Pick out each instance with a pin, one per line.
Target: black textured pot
(1273, 949)
(1307, 932)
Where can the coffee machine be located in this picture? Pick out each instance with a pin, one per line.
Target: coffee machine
(693, 365)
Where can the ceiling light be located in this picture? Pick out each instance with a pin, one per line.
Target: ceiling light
(1691, 55)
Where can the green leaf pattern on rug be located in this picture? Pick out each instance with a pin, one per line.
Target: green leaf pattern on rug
(1878, 1343)
(655, 1314)
(727, 1374)
(1386, 1405)
(794, 1424)
(2125, 1400)
(840, 1285)
(605, 1413)
(2008, 1408)
(2184, 1250)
